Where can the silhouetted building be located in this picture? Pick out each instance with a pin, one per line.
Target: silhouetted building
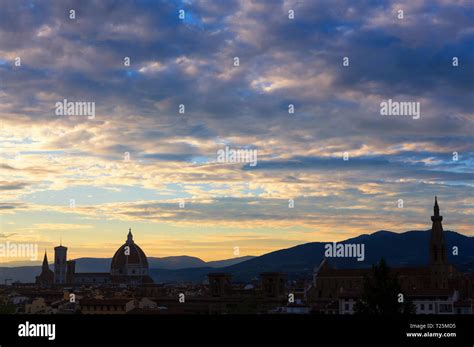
(129, 266)
(106, 306)
(220, 284)
(438, 283)
(70, 271)
(273, 284)
(60, 255)
(440, 269)
(46, 277)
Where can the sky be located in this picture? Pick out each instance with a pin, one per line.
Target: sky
(139, 163)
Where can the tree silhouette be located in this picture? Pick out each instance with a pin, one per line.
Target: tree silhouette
(7, 308)
(381, 293)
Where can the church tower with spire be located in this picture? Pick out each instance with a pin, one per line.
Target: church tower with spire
(438, 254)
(46, 278)
(439, 265)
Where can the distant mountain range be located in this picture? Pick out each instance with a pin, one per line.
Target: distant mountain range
(410, 248)
(166, 263)
(399, 249)
(17, 272)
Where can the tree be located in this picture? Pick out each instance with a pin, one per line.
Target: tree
(7, 308)
(382, 293)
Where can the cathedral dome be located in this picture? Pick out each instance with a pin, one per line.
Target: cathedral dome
(129, 260)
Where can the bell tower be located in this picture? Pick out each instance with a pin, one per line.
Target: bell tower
(438, 255)
(60, 254)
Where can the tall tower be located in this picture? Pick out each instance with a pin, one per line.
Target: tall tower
(438, 254)
(60, 254)
(439, 265)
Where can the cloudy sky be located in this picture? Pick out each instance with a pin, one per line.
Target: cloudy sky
(49, 159)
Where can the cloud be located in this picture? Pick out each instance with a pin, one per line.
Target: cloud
(59, 226)
(282, 62)
(5, 236)
(13, 186)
